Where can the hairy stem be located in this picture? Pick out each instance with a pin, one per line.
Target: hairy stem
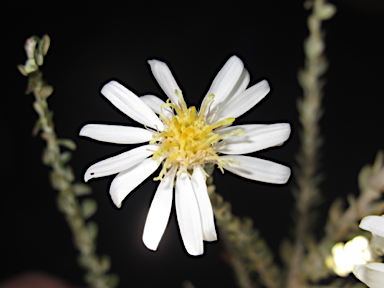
(307, 178)
(62, 177)
(247, 252)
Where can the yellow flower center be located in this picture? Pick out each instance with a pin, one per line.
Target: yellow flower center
(188, 140)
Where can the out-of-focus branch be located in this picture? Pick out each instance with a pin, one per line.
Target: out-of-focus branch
(247, 252)
(62, 178)
(342, 224)
(307, 177)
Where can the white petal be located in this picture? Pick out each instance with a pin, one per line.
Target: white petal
(225, 80)
(240, 86)
(258, 169)
(116, 134)
(256, 138)
(155, 103)
(374, 224)
(131, 105)
(243, 102)
(188, 216)
(378, 243)
(372, 274)
(129, 179)
(164, 77)
(205, 206)
(119, 162)
(158, 214)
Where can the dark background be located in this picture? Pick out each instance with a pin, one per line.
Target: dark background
(93, 45)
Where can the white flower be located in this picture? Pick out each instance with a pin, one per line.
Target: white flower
(183, 140)
(346, 256)
(372, 274)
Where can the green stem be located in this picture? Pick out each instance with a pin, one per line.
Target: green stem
(247, 252)
(307, 177)
(62, 177)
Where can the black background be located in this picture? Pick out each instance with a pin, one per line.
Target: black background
(93, 45)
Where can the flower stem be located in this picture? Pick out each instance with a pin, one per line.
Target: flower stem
(62, 177)
(307, 178)
(247, 252)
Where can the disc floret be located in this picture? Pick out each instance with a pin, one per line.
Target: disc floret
(188, 139)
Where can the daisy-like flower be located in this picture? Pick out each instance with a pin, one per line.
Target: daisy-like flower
(372, 274)
(183, 140)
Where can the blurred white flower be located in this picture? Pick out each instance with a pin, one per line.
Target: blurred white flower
(345, 257)
(183, 140)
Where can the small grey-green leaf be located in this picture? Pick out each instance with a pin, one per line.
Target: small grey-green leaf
(62, 203)
(58, 182)
(37, 128)
(81, 189)
(39, 58)
(313, 47)
(49, 136)
(44, 44)
(50, 115)
(38, 107)
(85, 261)
(30, 66)
(65, 157)
(364, 177)
(105, 263)
(68, 143)
(325, 11)
(68, 174)
(48, 156)
(22, 70)
(30, 46)
(88, 208)
(46, 91)
(67, 203)
(322, 66)
(92, 229)
(305, 79)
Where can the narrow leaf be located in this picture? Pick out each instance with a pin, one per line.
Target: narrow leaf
(81, 189)
(88, 208)
(67, 143)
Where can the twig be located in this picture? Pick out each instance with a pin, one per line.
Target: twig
(62, 178)
(308, 194)
(247, 252)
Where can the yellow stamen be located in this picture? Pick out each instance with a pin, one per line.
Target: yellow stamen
(206, 103)
(238, 132)
(192, 114)
(181, 98)
(188, 140)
